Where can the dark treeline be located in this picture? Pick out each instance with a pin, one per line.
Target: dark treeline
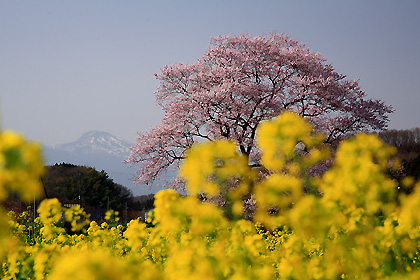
(92, 189)
(407, 141)
(84, 185)
(143, 202)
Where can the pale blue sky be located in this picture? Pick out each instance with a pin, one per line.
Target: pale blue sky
(67, 67)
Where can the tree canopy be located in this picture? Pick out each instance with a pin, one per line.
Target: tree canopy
(239, 82)
(407, 141)
(67, 182)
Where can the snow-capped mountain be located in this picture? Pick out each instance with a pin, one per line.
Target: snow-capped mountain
(102, 151)
(94, 142)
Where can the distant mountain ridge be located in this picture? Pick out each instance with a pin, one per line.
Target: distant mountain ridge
(100, 150)
(98, 142)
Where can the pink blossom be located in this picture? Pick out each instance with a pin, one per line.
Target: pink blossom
(241, 81)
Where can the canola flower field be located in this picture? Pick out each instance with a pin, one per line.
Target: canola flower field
(346, 224)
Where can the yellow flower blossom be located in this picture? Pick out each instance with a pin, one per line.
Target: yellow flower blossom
(20, 166)
(50, 211)
(352, 227)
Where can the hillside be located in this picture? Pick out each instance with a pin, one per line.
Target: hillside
(102, 151)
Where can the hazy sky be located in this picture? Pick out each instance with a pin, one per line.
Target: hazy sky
(68, 67)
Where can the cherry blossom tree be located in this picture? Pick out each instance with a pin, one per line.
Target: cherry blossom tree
(241, 81)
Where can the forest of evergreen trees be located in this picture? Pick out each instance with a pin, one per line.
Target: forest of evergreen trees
(92, 189)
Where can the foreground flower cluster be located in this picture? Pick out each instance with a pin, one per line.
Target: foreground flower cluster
(347, 224)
